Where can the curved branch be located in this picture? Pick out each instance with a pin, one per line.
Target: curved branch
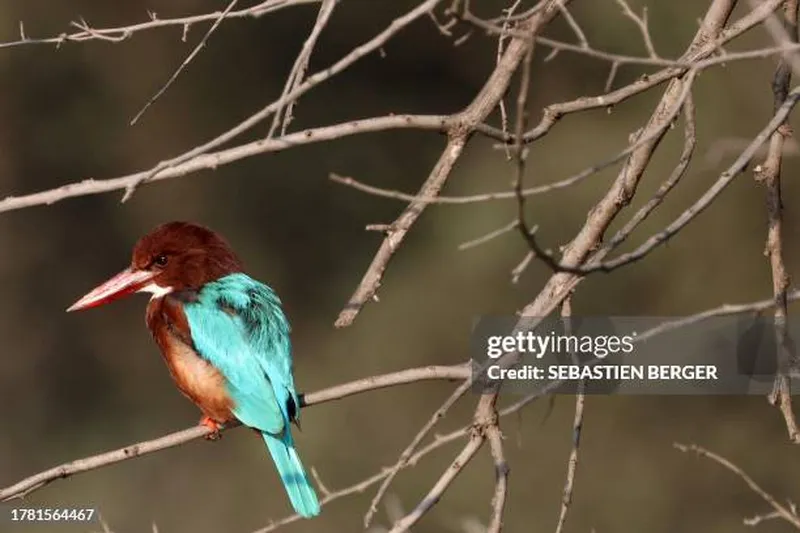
(37, 481)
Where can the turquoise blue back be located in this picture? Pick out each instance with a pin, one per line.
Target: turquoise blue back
(238, 325)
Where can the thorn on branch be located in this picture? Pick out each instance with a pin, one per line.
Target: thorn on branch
(461, 40)
(385, 228)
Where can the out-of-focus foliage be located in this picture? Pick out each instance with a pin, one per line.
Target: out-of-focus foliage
(75, 385)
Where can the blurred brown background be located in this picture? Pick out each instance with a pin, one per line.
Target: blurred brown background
(76, 385)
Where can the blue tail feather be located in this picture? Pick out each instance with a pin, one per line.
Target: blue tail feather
(293, 475)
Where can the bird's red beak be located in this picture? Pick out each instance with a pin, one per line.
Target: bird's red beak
(126, 282)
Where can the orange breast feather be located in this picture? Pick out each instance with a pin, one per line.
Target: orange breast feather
(196, 378)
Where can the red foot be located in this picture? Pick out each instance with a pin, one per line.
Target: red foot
(213, 426)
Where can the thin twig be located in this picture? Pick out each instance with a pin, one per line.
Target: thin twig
(501, 471)
(363, 485)
(583, 42)
(641, 23)
(783, 32)
(584, 245)
(405, 456)
(300, 66)
(180, 68)
(577, 429)
(312, 81)
(203, 160)
(475, 113)
(466, 245)
(501, 40)
(519, 152)
(785, 513)
(122, 33)
(696, 57)
(456, 467)
(665, 117)
(736, 168)
(485, 418)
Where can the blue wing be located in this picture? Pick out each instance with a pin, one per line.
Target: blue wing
(238, 325)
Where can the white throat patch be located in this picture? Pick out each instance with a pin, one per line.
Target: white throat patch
(156, 290)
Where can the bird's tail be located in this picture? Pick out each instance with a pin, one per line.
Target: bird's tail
(293, 475)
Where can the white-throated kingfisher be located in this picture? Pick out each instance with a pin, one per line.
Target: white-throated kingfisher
(224, 337)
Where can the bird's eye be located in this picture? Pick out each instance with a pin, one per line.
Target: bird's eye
(160, 260)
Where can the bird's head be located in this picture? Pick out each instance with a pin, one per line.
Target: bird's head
(173, 257)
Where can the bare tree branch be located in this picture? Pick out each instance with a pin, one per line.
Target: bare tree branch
(466, 121)
(641, 23)
(703, 45)
(199, 159)
(791, 517)
(501, 471)
(517, 29)
(769, 173)
(457, 372)
(312, 81)
(783, 32)
(122, 33)
(405, 456)
(689, 214)
(216, 159)
(363, 485)
(485, 418)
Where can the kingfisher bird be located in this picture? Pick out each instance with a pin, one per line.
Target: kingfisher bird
(224, 337)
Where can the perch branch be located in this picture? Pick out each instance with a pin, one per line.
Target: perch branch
(20, 489)
(457, 372)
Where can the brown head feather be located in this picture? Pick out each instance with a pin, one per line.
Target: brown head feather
(185, 255)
